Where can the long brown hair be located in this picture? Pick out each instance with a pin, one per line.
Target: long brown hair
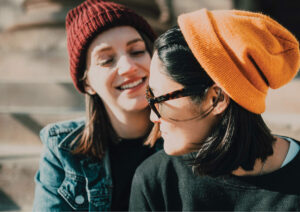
(98, 130)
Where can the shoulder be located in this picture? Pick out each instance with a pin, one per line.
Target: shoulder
(61, 133)
(287, 138)
(156, 161)
(164, 176)
(57, 155)
(160, 164)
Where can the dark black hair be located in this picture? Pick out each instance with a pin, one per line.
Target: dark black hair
(239, 138)
(180, 63)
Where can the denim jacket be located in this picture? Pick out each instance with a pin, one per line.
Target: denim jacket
(66, 182)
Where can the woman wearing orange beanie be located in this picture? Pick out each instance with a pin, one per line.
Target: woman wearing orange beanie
(88, 163)
(209, 78)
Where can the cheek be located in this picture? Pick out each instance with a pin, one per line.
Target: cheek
(180, 140)
(144, 63)
(100, 78)
(186, 133)
(101, 81)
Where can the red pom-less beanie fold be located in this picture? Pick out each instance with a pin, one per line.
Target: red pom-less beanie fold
(86, 21)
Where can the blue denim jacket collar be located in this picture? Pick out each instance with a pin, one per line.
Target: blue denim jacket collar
(66, 143)
(97, 174)
(87, 163)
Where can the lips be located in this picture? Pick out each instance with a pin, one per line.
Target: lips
(131, 84)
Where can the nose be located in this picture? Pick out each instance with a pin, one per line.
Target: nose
(154, 118)
(126, 65)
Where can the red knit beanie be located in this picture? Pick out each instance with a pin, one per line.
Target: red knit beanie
(86, 21)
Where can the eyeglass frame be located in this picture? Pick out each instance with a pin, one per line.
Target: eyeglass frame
(183, 92)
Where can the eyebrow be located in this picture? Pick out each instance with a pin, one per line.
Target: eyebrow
(108, 48)
(134, 41)
(100, 49)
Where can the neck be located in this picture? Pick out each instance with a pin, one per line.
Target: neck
(129, 125)
(272, 163)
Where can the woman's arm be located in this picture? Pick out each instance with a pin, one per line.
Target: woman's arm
(48, 179)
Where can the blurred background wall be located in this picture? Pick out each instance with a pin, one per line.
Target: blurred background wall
(35, 87)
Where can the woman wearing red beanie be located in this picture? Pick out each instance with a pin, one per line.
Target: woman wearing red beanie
(88, 164)
(208, 82)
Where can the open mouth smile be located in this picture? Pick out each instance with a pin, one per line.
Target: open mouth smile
(133, 84)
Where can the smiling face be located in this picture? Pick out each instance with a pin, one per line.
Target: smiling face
(118, 68)
(180, 137)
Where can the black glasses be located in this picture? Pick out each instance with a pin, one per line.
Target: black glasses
(154, 101)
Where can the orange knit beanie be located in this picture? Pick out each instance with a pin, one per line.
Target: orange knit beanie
(245, 53)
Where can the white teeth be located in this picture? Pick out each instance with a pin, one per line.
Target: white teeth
(131, 85)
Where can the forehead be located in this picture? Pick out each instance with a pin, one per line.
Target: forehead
(159, 81)
(115, 37)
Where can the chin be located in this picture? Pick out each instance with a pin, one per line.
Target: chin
(130, 105)
(173, 152)
(171, 149)
(175, 146)
(170, 152)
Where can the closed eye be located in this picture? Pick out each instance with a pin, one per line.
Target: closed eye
(138, 53)
(106, 62)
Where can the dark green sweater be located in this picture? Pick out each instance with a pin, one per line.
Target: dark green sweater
(166, 183)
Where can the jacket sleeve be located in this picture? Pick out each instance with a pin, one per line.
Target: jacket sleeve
(48, 179)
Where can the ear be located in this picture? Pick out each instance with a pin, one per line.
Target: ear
(87, 87)
(218, 98)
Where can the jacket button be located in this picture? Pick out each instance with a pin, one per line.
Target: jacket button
(79, 199)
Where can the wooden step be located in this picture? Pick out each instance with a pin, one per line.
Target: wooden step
(24, 129)
(40, 97)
